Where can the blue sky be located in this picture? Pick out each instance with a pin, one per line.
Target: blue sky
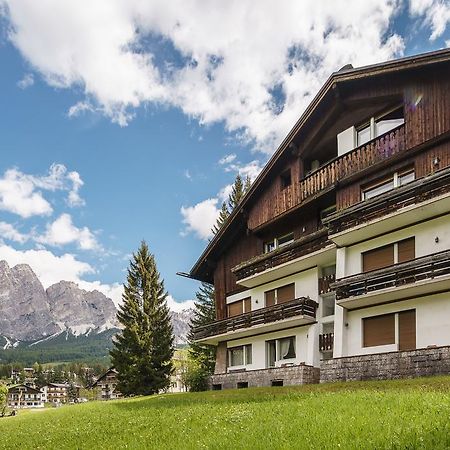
(132, 128)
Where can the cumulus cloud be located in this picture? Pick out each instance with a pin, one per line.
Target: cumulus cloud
(178, 306)
(26, 82)
(227, 159)
(22, 194)
(435, 14)
(255, 69)
(200, 218)
(9, 232)
(62, 232)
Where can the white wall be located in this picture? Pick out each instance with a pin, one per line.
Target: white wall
(303, 338)
(432, 324)
(306, 284)
(349, 260)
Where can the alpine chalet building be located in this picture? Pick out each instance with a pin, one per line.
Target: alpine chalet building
(336, 263)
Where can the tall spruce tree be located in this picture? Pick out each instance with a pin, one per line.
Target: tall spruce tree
(205, 309)
(142, 352)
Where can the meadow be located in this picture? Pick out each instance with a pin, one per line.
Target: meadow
(400, 414)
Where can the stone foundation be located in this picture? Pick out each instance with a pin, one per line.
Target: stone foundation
(385, 366)
(284, 376)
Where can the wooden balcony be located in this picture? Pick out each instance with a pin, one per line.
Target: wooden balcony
(326, 342)
(433, 191)
(325, 177)
(288, 254)
(422, 276)
(304, 309)
(325, 284)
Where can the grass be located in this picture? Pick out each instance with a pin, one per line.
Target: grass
(402, 414)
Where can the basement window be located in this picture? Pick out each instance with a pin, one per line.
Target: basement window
(216, 387)
(277, 383)
(242, 384)
(286, 179)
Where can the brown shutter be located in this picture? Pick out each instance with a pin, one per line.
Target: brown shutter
(234, 309)
(269, 297)
(286, 293)
(406, 250)
(407, 330)
(247, 304)
(378, 258)
(379, 330)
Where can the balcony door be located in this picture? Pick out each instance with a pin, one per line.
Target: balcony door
(407, 330)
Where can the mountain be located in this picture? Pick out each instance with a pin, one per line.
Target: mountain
(63, 322)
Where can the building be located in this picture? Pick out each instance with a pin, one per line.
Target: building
(336, 263)
(107, 385)
(23, 396)
(58, 393)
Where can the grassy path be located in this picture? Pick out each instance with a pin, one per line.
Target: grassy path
(373, 415)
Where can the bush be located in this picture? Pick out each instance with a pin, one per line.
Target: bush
(197, 379)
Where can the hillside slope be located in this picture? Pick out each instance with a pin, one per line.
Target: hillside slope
(369, 415)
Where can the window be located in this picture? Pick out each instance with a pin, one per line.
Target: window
(240, 356)
(280, 295)
(386, 256)
(279, 350)
(239, 307)
(363, 135)
(387, 184)
(278, 242)
(286, 179)
(242, 384)
(379, 330)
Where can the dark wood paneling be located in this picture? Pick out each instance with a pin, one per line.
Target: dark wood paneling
(407, 330)
(269, 298)
(235, 308)
(406, 250)
(379, 330)
(378, 258)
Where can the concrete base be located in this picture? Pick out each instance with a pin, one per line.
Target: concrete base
(386, 366)
(277, 376)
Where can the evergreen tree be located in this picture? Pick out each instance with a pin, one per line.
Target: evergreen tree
(142, 352)
(205, 310)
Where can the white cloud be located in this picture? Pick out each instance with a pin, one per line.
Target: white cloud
(21, 193)
(62, 232)
(177, 306)
(253, 68)
(200, 218)
(227, 159)
(26, 82)
(9, 232)
(435, 14)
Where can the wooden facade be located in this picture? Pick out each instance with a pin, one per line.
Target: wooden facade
(272, 207)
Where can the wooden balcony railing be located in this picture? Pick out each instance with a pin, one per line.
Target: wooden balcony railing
(325, 284)
(326, 342)
(420, 269)
(300, 247)
(299, 307)
(412, 193)
(341, 167)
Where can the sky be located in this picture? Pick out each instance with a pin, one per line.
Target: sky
(124, 120)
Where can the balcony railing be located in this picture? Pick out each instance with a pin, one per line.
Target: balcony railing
(300, 247)
(420, 269)
(299, 307)
(412, 193)
(325, 284)
(341, 167)
(326, 342)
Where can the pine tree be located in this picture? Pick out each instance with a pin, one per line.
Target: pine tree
(205, 310)
(142, 352)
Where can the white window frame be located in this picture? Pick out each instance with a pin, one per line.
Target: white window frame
(394, 178)
(278, 358)
(275, 242)
(247, 356)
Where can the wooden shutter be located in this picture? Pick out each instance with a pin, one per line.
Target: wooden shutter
(378, 258)
(234, 309)
(407, 330)
(269, 297)
(379, 330)
(286, 293)
(247, 304)
(406, 250)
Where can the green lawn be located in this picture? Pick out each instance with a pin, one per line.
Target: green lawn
(372, 415)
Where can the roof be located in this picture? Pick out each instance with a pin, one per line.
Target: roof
(28, 388)
(345, 75)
